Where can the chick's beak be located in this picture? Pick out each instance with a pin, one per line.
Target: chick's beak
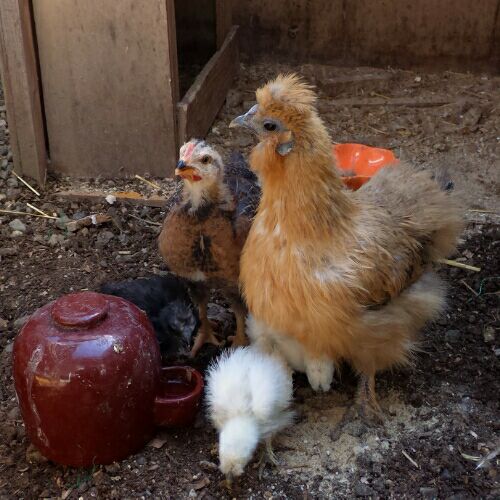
(246, 120)
(186, 172)
(181, 164)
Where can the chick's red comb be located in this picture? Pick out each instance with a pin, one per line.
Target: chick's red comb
(189, 151)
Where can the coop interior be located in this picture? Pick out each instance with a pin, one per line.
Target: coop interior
(94, 108)
(196, 38)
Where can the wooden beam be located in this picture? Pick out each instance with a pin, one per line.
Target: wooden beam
(223, 20)
(19, 71)
(417, 102)
(125, 197)
(200, 105)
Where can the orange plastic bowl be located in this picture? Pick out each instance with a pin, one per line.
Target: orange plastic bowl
(360, 163)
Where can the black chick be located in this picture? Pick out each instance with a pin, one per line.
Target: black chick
(166, 301)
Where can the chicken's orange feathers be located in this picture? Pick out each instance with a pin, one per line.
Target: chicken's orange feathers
(347, 275)
(286, 94)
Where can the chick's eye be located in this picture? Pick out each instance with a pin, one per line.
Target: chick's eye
(205, 159)
(270, 126)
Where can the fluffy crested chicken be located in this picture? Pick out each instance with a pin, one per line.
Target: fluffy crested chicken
(349, 275)
(204, 232)
(249, 393)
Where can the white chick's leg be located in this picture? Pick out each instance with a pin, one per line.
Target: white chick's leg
(319, 373)
(270, 452)
(267, 456)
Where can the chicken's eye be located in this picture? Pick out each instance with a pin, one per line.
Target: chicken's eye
(270, 126)
(205, 159)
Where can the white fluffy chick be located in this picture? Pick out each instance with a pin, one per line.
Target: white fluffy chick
(249, 393)
(319, 371)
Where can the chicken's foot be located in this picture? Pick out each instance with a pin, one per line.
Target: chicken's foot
(267, 456)
(365, 407)
(205, 334)
(366, 400)
(240, 339)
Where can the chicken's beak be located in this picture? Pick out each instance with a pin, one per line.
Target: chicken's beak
(186, 172)
(246, 120)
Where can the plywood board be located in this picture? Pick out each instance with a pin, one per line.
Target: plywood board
(200, 105)
(296, 30)
(108, 86)
(21, 84)
(420, 30)
(451, 32)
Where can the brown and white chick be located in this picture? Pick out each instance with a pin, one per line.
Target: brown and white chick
(349, 275)
(206, 228)
(249, 393)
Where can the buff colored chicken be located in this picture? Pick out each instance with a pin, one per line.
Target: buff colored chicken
(348, 275)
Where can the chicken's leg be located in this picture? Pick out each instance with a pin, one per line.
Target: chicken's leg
(205, 334)
(366, 406)
(267, 456)
(366, 399)
(240, 312)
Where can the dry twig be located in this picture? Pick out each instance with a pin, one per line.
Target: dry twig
(15, 212)
(490, 456)
(39, 211)
(26, 184)
(146, 221)
(469, 288)
(410, 459)
(147, 182)
(454, 263)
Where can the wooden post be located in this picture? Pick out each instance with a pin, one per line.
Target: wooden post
(223, 20)
(22, 89)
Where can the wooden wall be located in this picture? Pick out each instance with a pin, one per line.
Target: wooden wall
(109, 86)
(444, 33)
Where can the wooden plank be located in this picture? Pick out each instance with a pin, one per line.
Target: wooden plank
(417, 102)
(295, 30)
(108, 86)
(223, 20)
(407, 33)
(334, 85)
(130, 197)
(172, 51)
(19, 72)
(200, 105)
(442, 34)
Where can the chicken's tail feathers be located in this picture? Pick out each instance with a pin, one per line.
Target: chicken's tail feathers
(442, 176)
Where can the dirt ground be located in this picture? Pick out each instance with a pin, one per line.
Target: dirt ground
(442, 416)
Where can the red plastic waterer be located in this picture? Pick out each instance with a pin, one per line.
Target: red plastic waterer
(90, 385)
(359, 163)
